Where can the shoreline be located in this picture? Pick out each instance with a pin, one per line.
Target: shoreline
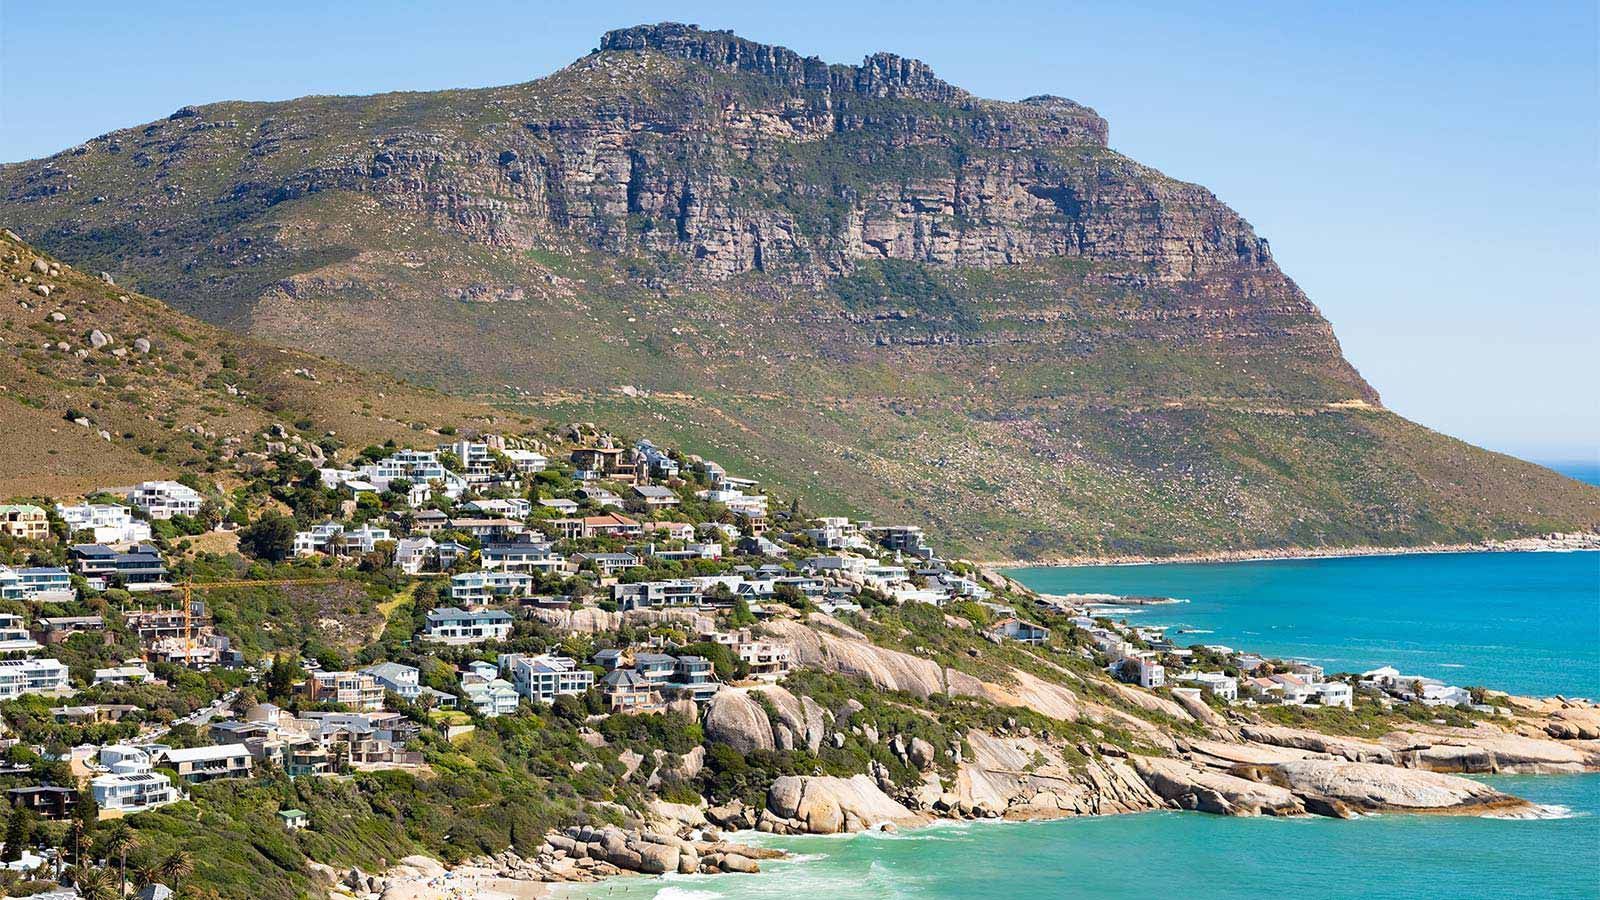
(1572, 542)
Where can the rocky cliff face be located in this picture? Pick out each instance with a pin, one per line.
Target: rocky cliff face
(986, 316)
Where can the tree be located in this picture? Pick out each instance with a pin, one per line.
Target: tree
(93, 884)
(740, 616)
(282, 676)
(271, 538)
(18, 828)
(119, 842)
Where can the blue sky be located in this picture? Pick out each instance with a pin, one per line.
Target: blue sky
(1426, 171)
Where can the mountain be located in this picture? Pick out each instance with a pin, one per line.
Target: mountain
(860, 283)
(100, 386)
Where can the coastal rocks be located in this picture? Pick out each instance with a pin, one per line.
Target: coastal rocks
(643, 851)
(882, 668)
(1371, 787)
(1486, 750)
(734, 719)
(821, 804)
(1024, 778)
(1196, 707)
(1300, 739)
(1186, 786)
(801, 719)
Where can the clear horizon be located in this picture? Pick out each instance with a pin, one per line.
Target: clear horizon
(1427, 174)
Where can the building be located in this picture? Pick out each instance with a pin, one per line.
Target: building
(165, 499)
(32, 676)
(607, 463)
(131, 672)
(655, 496)
(608, 525)
(357, 690)
(542, 679)
(1015, 629)
(527, 461)
(47, 801)
(56, 629)
(24, 521)
(1140, 670)
(120, 793)
(411, 554)
(450, 625)
(110, 523)
(139, 568)
(657, 594)
(1223, 687)
(14, 636)
(626, 692)
(51, 584)
(607, 564)
(294, 819)
(477, 588)
(491, 697)
(197, 764)
(524, 554)
(655, 461)
(396, 679)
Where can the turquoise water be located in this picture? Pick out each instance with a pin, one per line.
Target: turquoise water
(1190, 855)
(1529, 622)
(1524, 622)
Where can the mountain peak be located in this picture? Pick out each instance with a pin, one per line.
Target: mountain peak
(879, 75)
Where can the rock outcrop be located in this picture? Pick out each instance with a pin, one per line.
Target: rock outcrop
(1372, 787)
(733, 718)
(821, 804)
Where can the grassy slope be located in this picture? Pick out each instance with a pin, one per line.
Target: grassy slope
(169, 410)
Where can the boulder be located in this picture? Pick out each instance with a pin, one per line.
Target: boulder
(822, 804)
(98, 339)
(920, 753)
(734, 719)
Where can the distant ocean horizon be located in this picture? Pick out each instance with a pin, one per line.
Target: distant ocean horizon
(1584, 470)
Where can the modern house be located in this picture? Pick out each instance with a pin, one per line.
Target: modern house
(490, 696)
(198, 764)
(607, 463)
(607, 564)
(655, 496)
(542, 679)
(451, 625)
(119, 793)
(131, 672)
(474, 588)
(608, 525)
(411, 554)
(40, 583)
(657, 594)
(627, 692)
(524, 554)
(110, 523)
(165, 499)
(32, 676)
(14, 634)
(47, 801)
(140, 568)
(357, 690)
(1223, 687)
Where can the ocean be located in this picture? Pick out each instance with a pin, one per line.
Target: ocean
(1529, 622)
(1190, 855)
(1524, 622)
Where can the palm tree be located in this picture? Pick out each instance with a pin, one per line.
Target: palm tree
(78, 830)
(177, 866)
(93, 884)
(119, 841)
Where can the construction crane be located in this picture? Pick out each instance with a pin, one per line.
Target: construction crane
(190, 586)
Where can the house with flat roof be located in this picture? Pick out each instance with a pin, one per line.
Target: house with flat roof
(474, 588)
(165, 499)
(139, 568)
(542, 679)
(119, 793)
(198, 764)
(452, 625)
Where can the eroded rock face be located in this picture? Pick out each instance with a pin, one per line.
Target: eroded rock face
(1348, 748)
(1372, 787)
(1190, 787)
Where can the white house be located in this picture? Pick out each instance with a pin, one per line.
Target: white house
(131, 792)
(449, 625)
(491, 696)
(165, 499)
(411, 554)
(111, 524)
(396, 678)
(481, 587)
(31, 676)
(544, 678)
(1222, 686)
